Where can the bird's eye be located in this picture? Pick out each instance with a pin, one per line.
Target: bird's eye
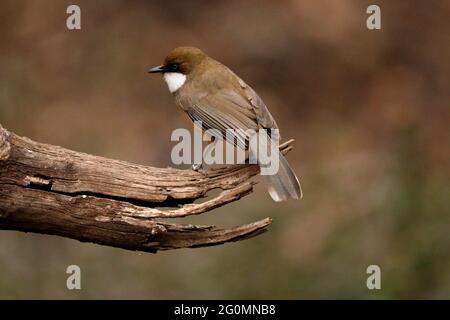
(175, 67)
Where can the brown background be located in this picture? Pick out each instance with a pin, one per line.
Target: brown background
(369, 111)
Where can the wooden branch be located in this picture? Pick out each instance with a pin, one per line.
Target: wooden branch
(51, 190)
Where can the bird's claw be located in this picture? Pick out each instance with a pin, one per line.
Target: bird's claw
(197, 167)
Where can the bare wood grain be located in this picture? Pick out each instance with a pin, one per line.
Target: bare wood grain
(52, 190)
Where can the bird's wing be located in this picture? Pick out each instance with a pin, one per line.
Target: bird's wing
(229, 104)
(263, 116)
(225, 110)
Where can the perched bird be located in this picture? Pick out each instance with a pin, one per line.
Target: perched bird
(210, 92)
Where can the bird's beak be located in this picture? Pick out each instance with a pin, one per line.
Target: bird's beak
(158, 69)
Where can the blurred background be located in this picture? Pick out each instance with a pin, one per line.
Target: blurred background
(370, 112)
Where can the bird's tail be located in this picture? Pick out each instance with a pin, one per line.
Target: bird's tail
(284, 184)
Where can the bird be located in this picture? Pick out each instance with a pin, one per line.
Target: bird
(213, 95)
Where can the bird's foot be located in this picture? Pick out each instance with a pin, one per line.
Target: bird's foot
(197, 166)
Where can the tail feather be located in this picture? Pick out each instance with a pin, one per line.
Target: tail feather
(284, 184)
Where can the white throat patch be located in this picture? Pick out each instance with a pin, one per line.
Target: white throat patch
(174, 80)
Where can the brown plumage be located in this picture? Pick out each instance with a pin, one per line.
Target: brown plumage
(210, 92)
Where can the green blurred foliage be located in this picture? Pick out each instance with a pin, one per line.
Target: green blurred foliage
(369, 111)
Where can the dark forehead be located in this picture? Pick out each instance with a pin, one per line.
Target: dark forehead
(182, 54)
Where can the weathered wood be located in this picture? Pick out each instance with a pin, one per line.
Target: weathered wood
(52, 190)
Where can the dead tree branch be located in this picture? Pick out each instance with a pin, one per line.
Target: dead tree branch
(51, 190)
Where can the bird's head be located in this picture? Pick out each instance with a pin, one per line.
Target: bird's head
(181, 59)
(179, 63)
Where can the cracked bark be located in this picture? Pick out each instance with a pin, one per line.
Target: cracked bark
(52, 190)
